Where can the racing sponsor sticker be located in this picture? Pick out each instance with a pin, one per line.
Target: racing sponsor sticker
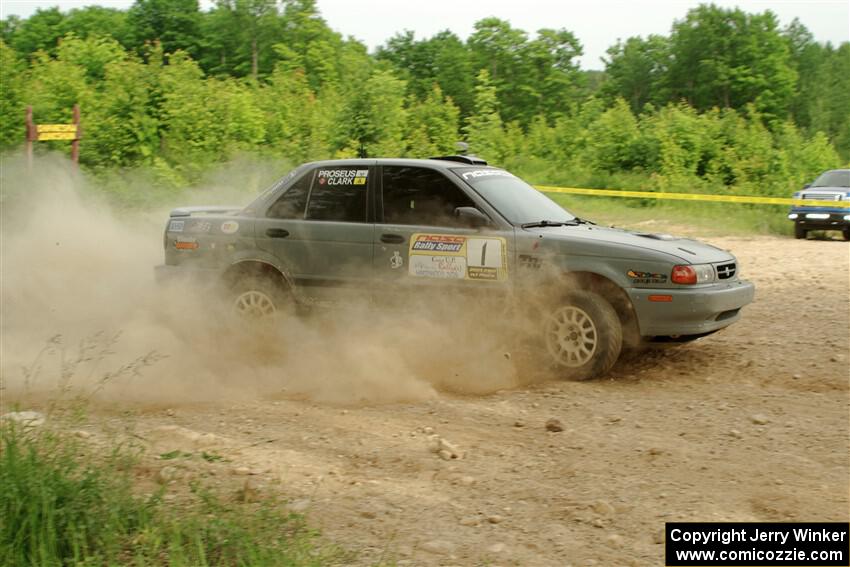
(229, 227)
(343, 176)
(646, 277)
(176, 226)
(476, 173)
(449, 256)
(199, 226)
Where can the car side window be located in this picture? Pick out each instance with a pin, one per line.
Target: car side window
(293, 202)
(339, 194)
(418, 195)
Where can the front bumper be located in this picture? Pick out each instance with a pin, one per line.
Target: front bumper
(692, 311)
(820, 220)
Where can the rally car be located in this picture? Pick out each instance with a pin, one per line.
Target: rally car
(454, 226)
(834, 186)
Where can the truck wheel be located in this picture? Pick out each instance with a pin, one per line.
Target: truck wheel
(846, 233)
(799, 231)
(583, 336)
(258, 298)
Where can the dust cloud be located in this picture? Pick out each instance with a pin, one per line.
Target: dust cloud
(82, 315)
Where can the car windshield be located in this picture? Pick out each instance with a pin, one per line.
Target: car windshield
(835, 178)
(515, 199)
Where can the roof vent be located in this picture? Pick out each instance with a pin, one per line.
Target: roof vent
(471, 160)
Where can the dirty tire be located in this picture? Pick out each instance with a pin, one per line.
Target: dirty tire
(259, 298)
(583, 336)
(799, 232)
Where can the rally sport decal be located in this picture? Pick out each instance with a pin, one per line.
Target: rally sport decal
(458, 257)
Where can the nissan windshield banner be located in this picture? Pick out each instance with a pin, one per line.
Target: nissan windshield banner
(765, 544)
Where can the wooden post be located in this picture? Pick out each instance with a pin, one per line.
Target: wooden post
(75, 143)
(31, 136)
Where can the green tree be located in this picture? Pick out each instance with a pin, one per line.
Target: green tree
(239, 36)
(613, 139)
(92, 54)
(39, 32)
(374, 120)
(551, 57)
(97, 21)
(12, 104)
(483, 128)
(432, 126)
(173, 23)
(501, 49)
(728, 58)
(637, 71)
(122, 129)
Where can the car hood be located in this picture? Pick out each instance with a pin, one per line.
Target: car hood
(686, 249)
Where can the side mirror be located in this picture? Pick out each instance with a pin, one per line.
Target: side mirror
(471, 216)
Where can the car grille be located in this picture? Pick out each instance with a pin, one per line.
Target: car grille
(726, 271)
(822, 196)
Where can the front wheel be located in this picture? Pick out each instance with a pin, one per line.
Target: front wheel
(846, 232)
(583, 336)
(799, 231)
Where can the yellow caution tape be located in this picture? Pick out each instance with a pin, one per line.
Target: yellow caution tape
(694, 197)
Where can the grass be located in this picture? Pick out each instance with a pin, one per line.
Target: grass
(60, 504)
(684, 217)
(66, 502)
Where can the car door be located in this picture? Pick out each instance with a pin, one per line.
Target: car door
(423, 247)
(321, 230)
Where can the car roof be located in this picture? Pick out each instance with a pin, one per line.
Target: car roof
(442, 163)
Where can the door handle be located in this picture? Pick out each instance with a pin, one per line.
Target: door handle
(392, 238)
(277, 233)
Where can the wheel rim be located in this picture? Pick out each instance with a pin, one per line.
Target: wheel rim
(571, 336)
(254, 305)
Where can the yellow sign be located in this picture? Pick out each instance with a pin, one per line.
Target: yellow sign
(695, 197)
(56, 132)
(66, 128)
(57, 136)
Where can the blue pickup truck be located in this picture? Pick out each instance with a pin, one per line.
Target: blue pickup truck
(833, 185)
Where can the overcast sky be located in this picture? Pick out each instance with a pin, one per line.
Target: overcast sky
(597, 23)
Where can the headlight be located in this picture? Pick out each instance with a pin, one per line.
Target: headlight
(694, 274)
(846, 217)
(817, 216)
(792, 216)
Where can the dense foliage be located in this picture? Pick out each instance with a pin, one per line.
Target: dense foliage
(726, 102)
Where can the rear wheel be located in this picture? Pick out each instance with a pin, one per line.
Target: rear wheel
(258, 298)
(799, 231)
(583, 336)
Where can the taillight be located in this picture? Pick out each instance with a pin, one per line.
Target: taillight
(683, 275)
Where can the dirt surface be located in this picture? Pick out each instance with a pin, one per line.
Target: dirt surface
(750, 424)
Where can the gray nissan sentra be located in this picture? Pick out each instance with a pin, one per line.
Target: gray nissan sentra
(381, 228)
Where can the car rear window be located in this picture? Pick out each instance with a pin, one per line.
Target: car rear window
(338, 194)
